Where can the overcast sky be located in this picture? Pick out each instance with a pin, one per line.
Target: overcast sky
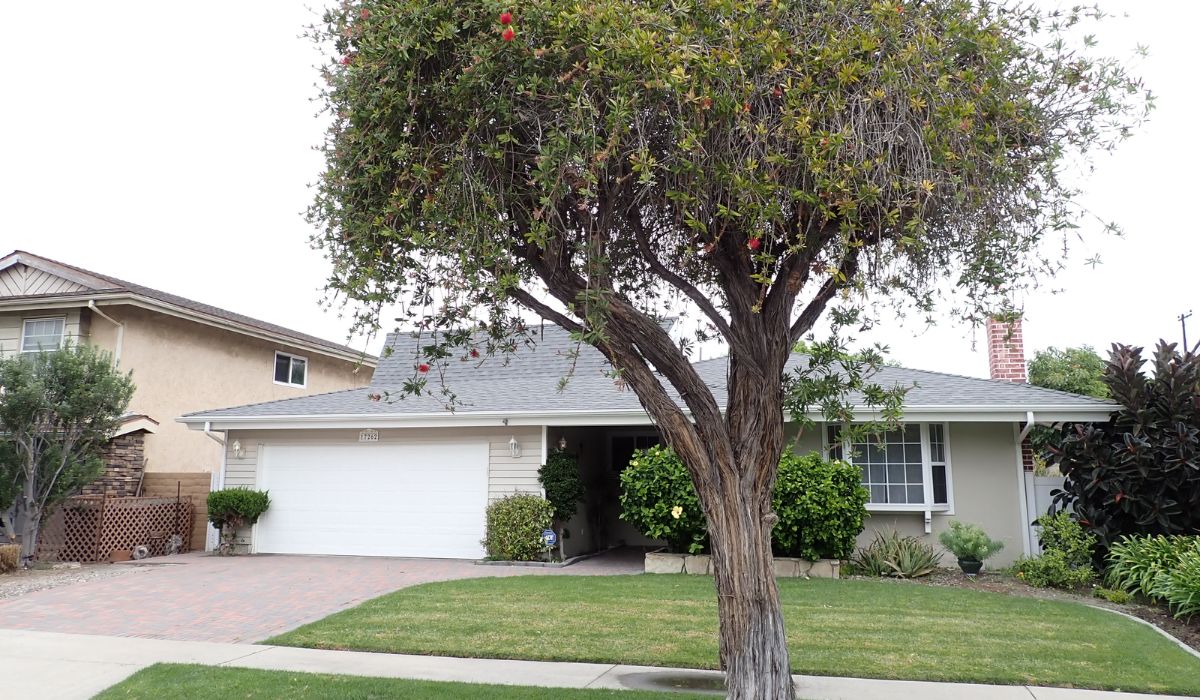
(170, 144)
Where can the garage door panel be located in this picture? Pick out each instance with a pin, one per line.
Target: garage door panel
(418, 500)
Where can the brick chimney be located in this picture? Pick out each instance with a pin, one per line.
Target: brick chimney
(1006, 350)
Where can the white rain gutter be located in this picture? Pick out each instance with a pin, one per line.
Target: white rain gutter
(1022, 494)
(120, 329)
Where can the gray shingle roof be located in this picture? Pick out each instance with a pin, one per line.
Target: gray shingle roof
(527, 381)
(113, 284)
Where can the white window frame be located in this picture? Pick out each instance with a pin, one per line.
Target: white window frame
(290, 356)
(610, 436)
(926, 475)
(61, 338)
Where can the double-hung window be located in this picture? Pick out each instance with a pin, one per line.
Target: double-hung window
(907, 468)
(38, 334)
(291, 370)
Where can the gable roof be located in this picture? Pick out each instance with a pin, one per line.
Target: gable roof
(29, 280)
(523, 389)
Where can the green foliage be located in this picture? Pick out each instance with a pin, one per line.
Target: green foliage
(1138, 473)
(515, 525)
(561, 479)
(236, 507)
(658, 498)
(56, 413)
(1053, 569)
(1135, 563)
(1179, 587)
(969, 542)
(1075, 370)
(1113, 595)
(821, 506)
(896, 555)
(1061, 532)
(1066, 559)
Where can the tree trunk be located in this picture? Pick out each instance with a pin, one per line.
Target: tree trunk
(28, 523)
(753, 643)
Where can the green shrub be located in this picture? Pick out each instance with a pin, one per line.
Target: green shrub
(563, 484)
(893, 554)
(969, 542)
(514, 527)
(1179, 587)
(657, 497)
(236, 507)
(1134, 563)
(821, 507)
(1113, 595)
(10, 557)
(1062, 533)
(1053, 569)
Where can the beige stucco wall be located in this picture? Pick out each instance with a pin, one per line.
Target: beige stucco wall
(182, 366)
(983, 469)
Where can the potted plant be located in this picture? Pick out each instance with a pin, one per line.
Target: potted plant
(970, 544)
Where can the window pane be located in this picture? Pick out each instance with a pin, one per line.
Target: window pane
(912, 473)
(299, 367)
(878, 474)
(896, 494)
(879, 494)
(42, 334)
(895, 473)
(912, 433)
(895, 453)
(282, 368)
(893, 466)
(916, 494)
(940, 495)
(876, 454)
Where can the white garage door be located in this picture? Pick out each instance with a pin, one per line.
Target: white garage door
(411, 500)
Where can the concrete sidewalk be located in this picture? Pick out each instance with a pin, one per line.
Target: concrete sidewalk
(49, 665)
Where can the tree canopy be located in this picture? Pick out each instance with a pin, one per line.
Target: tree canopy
(1077, 370)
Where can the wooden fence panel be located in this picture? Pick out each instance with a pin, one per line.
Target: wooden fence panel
(193, 484)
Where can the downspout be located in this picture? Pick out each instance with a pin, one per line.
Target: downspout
(208, 431)
(1022, 492)
(120, 329)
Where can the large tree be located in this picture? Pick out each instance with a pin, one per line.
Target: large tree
(57, 411)
(601, 163)
(1077, 370)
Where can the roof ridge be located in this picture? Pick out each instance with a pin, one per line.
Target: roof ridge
(159, 295)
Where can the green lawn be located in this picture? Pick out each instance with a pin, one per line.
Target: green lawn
(221, 683)
(876, 629)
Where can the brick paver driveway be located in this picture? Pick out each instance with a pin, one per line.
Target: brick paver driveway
(246, 599)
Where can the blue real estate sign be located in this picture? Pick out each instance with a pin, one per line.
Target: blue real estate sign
(549, 538)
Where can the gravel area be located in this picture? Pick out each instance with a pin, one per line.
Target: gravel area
(18, 583)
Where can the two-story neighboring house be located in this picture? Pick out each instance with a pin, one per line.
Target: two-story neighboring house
(185, 356)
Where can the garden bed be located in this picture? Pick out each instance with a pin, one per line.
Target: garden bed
(663, 562)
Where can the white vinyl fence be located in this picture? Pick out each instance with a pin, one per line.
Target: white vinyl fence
(1037, 494)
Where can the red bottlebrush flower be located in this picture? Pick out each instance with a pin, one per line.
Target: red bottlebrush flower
(474, 352)
(422, 368)
(755, 243)
(508, 34)
(778, 91)
(364, 13)
(346, 60)
(1118, 497)
(506, 18)
(746, 107)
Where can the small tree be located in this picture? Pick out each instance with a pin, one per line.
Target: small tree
(1139, 473)
(563, 483)
(230, 509)
(57, 411)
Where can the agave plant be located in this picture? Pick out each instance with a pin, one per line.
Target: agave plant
(895, 555)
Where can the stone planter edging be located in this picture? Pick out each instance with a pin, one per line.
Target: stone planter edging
(660, 562)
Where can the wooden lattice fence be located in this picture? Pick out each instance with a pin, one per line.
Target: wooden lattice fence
(91, 528)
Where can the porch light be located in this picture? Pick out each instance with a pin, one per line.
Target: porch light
(514, 447)
(238, 451)
(562, 443)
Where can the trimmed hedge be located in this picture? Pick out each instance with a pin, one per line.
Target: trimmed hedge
(821, 505)
(514, 527)
(236, 507)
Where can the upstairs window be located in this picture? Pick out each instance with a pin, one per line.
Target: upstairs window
(291, 370)
(38, 334)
